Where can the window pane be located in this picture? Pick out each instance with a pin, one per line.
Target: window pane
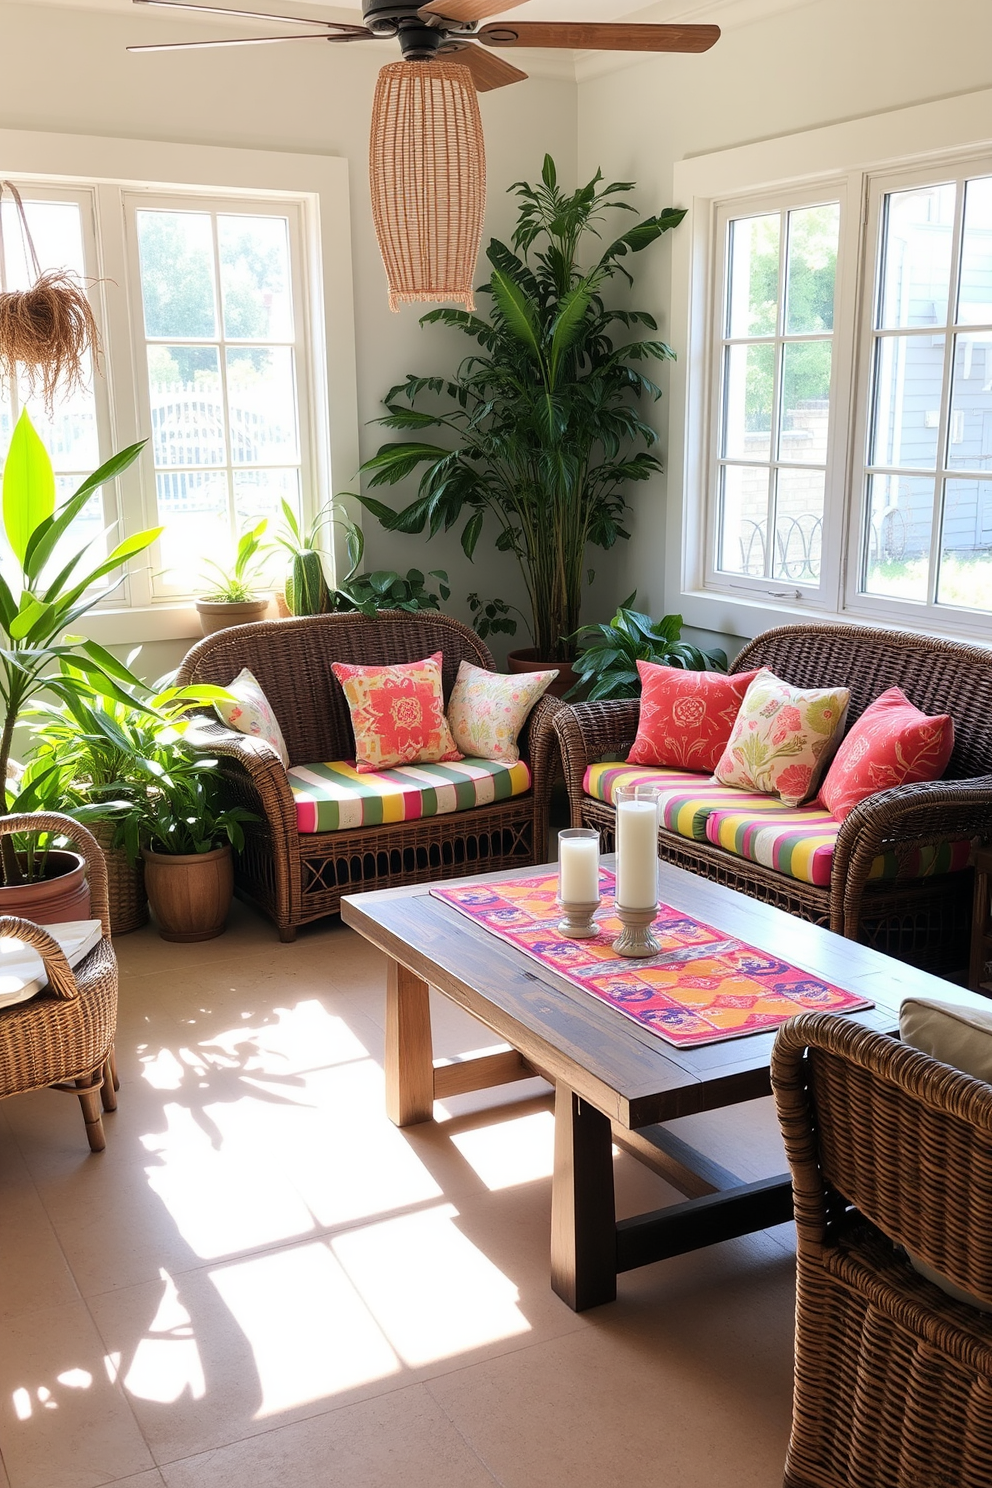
(811, 269)
(193, 505)
(754, 251)
(916, 261)
(798, 525)
(177, 273)
(743, 519)
(909, 374)
(969, 434)
(56, 230)
(805, 401)
(261, 396)
(965, 576)
(748, 398)
(187, 405)
(975, 290)
(900, 520)
(254, 277)
(71, 437)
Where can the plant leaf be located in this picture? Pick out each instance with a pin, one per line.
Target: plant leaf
(28, 487)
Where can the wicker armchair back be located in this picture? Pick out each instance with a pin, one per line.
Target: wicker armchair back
(292, 661)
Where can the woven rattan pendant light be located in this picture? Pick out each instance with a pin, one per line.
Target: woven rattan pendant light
(427, 166)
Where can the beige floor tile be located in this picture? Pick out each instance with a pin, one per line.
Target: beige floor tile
(63, 1422)
(400, 1439)
(151, 1479)
(33, 1270)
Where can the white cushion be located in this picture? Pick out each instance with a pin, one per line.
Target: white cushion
(955, 1027)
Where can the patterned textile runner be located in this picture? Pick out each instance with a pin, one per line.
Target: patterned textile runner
(702, 987)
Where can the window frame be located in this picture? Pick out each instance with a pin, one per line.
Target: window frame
(113, 168)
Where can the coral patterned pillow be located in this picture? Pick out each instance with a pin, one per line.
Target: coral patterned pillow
(487, 710)
(397, 713)
(686, 718)
(251, 713)
(892, 743)
(783, 738)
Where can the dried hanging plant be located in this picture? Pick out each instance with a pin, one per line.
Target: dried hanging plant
(48, 329)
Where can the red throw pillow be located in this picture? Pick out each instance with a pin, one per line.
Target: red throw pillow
(397, 713)
(892, 743)
(686, 717)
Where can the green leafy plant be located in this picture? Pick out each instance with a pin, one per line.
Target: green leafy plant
(610, 653)
(543, 423)
(385, 589)
(307, 591)
(37, 653)
(493, 617)
(244, 580)
(176, 805)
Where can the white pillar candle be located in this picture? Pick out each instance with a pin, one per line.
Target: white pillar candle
(637, 854)
(578, 868)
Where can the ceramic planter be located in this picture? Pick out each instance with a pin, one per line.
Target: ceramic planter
(190, 894)
(63, 894)
(218, 614)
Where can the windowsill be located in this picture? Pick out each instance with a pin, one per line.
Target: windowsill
(134, 627)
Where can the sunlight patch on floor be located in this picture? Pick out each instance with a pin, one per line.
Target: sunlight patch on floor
(166, 1363)
(222, 1205)
(506, 1153)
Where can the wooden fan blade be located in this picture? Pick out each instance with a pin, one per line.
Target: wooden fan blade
(189, 46)
(251, 15)
(596, 36)
(485, 75)
(464, 11)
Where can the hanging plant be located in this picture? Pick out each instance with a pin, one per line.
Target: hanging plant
(49, 329)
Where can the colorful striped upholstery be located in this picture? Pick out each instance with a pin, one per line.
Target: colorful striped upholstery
(687, 800)
(335, 797)
(800, 843)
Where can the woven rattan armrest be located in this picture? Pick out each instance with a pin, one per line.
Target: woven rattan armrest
(260, 763)
(538, 740)
(61, 980)
(908, 815)
(588, 732)
(79, 836)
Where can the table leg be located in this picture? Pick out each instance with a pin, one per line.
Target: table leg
(583, 1211)
(409, 1048)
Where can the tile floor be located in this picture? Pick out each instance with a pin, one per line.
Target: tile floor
(262, 1282)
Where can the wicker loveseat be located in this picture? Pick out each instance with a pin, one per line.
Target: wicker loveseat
(295, 877)
(920, 918)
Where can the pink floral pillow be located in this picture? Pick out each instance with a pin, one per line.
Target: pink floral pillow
(251, 713)
(686, 718)
(892, 743)
(397, 713)
(783, 738)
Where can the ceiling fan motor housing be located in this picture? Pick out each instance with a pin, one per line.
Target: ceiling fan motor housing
(419, 42)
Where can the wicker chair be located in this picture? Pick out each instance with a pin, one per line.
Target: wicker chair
(888, 1148)
(922, 920)
(64, 1037)
(296, 878)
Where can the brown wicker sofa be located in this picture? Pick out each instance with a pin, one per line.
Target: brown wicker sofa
(921, 920)
(294, 877)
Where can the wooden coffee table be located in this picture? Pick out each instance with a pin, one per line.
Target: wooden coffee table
(614, 1080)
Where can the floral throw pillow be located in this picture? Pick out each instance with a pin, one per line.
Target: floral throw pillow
(686, 718)
(783, 738)
(487, 710)
(892, 743)
(251, 713)
(397, 713)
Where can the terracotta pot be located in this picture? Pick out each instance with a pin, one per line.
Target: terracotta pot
(190, 893)
(526, 660)
(218, 614)
(63, 894)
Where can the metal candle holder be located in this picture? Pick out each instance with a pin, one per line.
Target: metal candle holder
(635, 939)
(577, 921)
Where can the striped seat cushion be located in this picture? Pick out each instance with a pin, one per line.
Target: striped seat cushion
(335, 797)
(687, 800)
(799, 842)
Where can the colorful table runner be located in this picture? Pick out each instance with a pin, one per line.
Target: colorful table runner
(702, 987)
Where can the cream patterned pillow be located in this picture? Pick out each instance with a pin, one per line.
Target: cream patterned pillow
(783, 739)
(252, 713)
(487, 710)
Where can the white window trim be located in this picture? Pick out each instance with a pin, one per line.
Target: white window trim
(918, 136)
(321, 181)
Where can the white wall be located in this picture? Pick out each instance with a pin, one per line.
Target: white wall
(67, 71)
(818, 64)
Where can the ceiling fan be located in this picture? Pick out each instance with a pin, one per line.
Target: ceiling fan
(448, 27)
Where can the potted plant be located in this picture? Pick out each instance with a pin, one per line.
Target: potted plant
(544, 428)
(607, 662)
(37, 656)
(236, 594)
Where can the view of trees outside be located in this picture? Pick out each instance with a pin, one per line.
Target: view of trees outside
(776, 391)
(931, 427)
(218, 310)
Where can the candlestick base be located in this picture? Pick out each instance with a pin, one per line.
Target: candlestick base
(635, 939)
(577, 920)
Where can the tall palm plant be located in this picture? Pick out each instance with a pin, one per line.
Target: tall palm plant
(543, 419)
